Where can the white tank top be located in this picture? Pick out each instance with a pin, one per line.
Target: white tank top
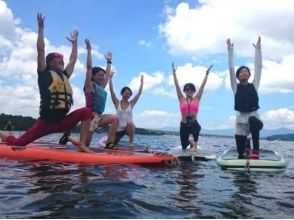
(124, 116)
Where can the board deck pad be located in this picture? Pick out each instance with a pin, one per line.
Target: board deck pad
(268, 160)
(263, 155)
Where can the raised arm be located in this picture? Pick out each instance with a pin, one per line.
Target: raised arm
(41, 63)
(74, 52)
(231, 65)
(201, 89)
(178, 89)
(108, 58)
(88, 82)
(137, 96)
(257, 64)
(112, 93)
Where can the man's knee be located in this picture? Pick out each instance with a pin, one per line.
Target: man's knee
(86, 113)
(10, 140)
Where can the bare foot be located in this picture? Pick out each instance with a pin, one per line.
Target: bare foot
(131, 144)
(193, 146)
(193, 149)
(86, 149)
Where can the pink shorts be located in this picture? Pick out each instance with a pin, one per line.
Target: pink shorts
(41, 128)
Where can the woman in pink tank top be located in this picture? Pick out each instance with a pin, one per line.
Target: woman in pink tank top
(189, 106)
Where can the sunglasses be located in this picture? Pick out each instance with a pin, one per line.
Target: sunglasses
(189, 90)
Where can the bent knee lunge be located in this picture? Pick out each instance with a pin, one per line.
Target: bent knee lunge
(255, 124)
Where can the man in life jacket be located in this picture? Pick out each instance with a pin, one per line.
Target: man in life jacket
(246, 101)
(56, 96)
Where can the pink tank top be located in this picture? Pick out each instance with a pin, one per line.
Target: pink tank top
(186, 107)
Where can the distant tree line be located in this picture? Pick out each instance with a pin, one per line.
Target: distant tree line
(18, 122)
(22, 123)
(281, 137)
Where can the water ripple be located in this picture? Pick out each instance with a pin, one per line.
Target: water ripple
(188, 190)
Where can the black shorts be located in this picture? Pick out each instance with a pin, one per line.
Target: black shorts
(187, 129)
(119, 135)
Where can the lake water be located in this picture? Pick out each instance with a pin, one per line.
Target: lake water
(186, 190)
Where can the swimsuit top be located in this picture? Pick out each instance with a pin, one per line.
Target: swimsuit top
(186, 107)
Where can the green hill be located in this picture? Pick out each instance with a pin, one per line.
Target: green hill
(281, 137)
(19, 123)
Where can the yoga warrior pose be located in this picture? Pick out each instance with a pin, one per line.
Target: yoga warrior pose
(189, 106)
(246, 100)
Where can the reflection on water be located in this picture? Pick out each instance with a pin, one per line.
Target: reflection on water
(187, 190)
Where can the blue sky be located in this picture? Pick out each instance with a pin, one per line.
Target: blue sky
(145, 37)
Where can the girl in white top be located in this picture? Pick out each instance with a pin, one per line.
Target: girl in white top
(124, 110)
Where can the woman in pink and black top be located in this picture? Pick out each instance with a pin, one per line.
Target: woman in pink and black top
(189, 106)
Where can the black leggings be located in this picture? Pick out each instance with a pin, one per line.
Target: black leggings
(255, 125)
(187, 129)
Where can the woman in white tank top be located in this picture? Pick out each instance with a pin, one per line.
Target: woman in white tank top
(124, 110)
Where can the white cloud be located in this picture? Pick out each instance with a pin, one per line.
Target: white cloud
(195, 74)
(203, 30)
(7, 27)
(276, 77)
(226, 124)
(145, 43)
(156, 119)
(19, 100)
(78, 97)
(278, 118)
(272, 119)
(153, 83)
(18, 65)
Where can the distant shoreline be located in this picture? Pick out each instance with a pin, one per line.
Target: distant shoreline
(22, 123)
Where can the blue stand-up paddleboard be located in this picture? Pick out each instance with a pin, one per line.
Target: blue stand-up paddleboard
(269, 160)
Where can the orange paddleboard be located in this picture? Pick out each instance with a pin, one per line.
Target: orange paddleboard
(39, 151)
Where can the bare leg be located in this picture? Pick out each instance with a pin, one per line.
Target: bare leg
(84, 136)
(112, 130)
(4, 135)
(113, 121)
(130, 130)
(193, 146)
(74, 140)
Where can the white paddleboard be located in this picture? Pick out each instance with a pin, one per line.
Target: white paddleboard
(269, 160)
(188, 155)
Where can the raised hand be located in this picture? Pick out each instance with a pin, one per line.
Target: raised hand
(229, 44)
(174, 68)
(73, 36)
(88, 44)
(209, 68)
(108, 56)
(40, 19)
(258, 43)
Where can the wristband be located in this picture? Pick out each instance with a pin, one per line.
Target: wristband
(109, 62)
